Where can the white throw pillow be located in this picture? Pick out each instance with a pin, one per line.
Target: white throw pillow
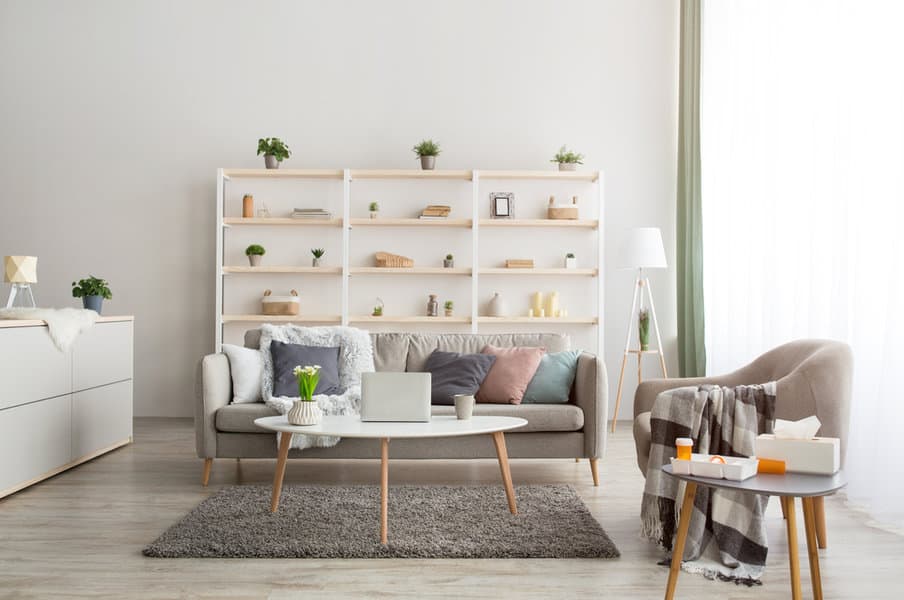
(246, 367)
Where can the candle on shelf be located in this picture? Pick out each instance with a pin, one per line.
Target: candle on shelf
(530, 312)
(552, 304)
(542, 313)
(564, 312)
(537, 303)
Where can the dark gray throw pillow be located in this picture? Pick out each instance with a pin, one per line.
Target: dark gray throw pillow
(287, 356)
(455, 373)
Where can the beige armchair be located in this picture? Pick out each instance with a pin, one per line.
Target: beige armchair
(813, 378)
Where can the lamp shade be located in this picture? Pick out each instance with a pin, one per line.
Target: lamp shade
(643, 249)
(20, 269)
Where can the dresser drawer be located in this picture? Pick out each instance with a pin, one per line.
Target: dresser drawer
(31, 367)
(34, 439)
(101, 417)
(102, 355)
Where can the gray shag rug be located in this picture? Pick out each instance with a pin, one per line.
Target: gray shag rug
(424, 522)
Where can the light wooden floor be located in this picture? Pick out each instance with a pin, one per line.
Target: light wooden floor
(80, 534)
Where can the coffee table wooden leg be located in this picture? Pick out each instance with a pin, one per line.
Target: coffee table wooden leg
(384, 490)
(502, 455)
(790, 515)
(810, 525)
(285, 440)
(687, 509)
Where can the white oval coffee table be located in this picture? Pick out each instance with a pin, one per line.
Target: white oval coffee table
(353, 427)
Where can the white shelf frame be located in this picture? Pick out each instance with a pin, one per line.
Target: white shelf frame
(475, 223)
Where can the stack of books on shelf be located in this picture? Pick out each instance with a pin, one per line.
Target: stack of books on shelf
(435, 212)
(311, 213)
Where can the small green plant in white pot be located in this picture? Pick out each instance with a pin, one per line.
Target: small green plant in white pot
(255, 252)
(568, 160)
(570, 261)
(93, 291)
(378, 309)
(449, 261)
(448, 306)
(318, 256)
(274, 150)
(374, 209)
(427, 151)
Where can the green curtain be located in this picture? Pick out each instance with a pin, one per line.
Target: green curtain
(691, 349)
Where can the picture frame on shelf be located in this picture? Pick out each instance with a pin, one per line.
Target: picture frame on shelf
(502, 205)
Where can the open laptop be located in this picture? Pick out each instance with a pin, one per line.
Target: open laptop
(390, 396)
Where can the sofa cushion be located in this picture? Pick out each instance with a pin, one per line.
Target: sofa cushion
(288, 356)
(510, 374)
(553, 380)
(239, 418)
(421, 345)
(452, 373)
(245, 366)
(390, 351)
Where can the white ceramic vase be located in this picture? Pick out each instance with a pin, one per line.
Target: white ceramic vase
(304, 413)
(498, 307)
(571, 263)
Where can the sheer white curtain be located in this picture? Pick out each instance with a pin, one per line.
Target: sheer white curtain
(802, 154)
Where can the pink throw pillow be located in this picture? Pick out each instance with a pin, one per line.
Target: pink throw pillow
(510, 374)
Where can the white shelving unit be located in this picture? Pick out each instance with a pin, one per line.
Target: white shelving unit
(476, 226)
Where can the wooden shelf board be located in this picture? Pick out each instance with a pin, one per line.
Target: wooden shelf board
(410, 222)
(285, 173)
(590, 176)
(585, 223)
(539, 271)
(410, 319)
(408, 271)
(277, 269)
(230, 221)
(463, 175)
(281, 319)
(544, 320)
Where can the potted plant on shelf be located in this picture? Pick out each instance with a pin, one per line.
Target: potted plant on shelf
(274, 150)
(305, 411)
(643, 329)
(318, 256)
(378, 309)
(92, 291)
(374, 208)
(427, 151)
(570, 261)
(448, 305)
(568, 160)
(254, 252)
(449, 261)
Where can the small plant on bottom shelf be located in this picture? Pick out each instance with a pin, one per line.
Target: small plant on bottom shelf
(374, 208)
(448, 305)
(254, 252)
(92, 286)
(318, 255)
(449, 261)
(427, 148)
(378, 309)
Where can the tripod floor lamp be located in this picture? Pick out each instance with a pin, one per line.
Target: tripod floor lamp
(643, 249)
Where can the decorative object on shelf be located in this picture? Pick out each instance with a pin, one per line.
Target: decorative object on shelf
(280, 305)
(564, 212)
(432, 306)
(643, 329)
(502, 205)
(568, 160)
(427, 151)
(274, 150)
(448, 307)
(264, 211)
(570, 261)
(435, 212)
(536, 305)
(21, 272)
(93, 291)
(385, 259)
(378, 308)
(552, 304)
(305, 411)
(247, 206)
(641, 250)
(519, 263)
(255, 252)
(498, 307)
(449, 261)
(318, 256)
(464, 406)
(310, 213)
(374, 210)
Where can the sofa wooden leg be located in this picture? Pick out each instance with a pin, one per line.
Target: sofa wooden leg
(820, 510)
(205, 475)
(594, 472)
(784, 508)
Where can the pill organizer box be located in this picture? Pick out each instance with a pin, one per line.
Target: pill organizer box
(734, 469)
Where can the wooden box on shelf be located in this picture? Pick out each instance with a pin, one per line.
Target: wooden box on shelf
(519, 263)
(385, 259)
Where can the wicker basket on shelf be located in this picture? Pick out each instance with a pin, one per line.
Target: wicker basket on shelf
(280, 305)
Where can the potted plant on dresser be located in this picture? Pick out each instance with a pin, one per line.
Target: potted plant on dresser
(568, 160)
(92, 291)
(255, 253)
(274, 150)
(427, 151)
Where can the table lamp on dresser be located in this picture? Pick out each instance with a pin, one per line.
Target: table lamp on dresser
(21, 272)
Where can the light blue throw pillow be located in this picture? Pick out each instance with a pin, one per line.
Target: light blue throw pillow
(552, 381)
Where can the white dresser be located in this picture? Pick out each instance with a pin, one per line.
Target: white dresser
(58, 409)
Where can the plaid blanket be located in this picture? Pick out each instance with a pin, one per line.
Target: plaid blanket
(727, 536)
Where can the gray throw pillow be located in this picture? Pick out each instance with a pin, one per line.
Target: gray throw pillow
(455, 373)
(287, 356)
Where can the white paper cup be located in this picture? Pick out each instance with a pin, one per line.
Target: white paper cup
(464, 406)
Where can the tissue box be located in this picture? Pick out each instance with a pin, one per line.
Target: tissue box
(817, 456)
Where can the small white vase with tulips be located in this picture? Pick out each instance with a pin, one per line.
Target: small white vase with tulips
(305, 411)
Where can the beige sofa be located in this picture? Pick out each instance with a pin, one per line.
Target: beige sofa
(572, 430)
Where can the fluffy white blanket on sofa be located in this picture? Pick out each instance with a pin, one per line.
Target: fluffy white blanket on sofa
(356, 356)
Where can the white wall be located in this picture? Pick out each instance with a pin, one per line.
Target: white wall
(115, 116)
